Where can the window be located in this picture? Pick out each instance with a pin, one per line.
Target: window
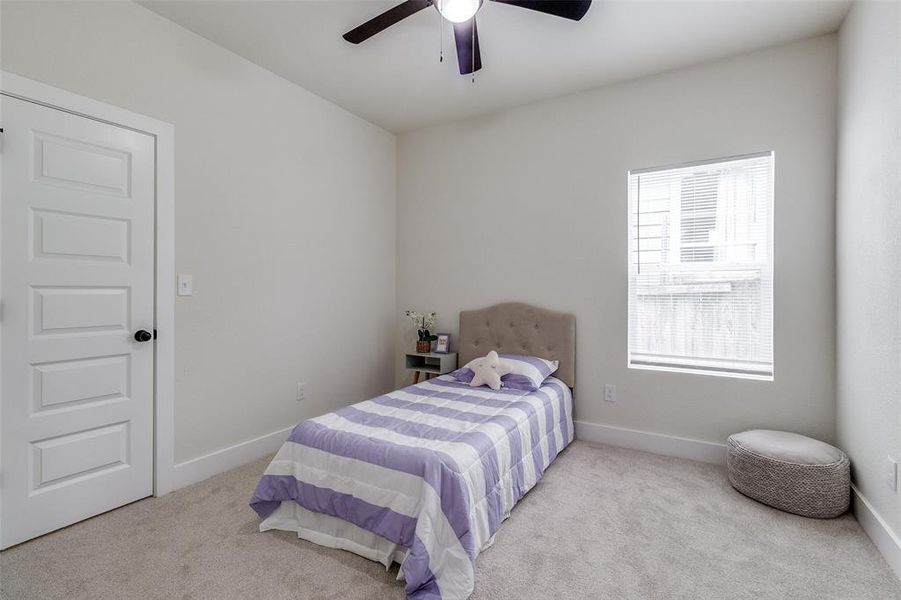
(701, 267)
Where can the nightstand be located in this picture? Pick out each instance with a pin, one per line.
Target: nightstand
(430, 364)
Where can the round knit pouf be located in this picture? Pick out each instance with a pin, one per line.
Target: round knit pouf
(790, 472)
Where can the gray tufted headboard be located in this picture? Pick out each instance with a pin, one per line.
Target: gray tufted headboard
(517, 328)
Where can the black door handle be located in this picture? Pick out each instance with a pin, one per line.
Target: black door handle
(142, 335)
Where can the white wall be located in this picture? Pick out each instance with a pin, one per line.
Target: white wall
(286, 218)
(529, 204)
(869, 249)
(284, 215)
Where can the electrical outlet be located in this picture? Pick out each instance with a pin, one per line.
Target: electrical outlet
(301, 391)
(610, 392)
(891, 474)
(185, 284)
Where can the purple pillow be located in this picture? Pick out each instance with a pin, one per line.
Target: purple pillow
(529, 372)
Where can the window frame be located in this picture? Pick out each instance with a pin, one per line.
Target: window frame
(696, 368)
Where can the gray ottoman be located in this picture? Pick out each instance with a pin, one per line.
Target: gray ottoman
(790, 472)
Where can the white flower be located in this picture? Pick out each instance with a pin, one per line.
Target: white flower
(420, 320)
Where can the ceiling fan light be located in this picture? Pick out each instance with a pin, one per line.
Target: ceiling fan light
(458, 11)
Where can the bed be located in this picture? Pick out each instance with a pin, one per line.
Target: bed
(424, 476)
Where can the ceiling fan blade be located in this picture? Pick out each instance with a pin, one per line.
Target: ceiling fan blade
(385, 20)
(466, 35)
(568, 9)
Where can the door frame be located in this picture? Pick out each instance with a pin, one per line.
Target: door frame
(16, 86)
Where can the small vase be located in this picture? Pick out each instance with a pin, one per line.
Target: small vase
(423, 347)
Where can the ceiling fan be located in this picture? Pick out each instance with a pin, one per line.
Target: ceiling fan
(462, 13)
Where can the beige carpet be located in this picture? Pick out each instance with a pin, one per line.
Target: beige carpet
(604, 523)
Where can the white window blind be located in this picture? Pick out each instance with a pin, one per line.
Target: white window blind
(701, 267)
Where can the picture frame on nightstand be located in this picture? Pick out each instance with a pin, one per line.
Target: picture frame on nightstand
(442, 345)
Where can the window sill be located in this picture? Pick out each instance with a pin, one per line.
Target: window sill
(707, 372)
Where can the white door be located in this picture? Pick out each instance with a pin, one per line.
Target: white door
(76, 283)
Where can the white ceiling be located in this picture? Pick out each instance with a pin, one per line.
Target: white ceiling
(394, 79)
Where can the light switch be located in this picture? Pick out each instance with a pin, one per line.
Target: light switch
(185, 285)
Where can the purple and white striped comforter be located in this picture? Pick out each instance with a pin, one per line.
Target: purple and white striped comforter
(433, 467)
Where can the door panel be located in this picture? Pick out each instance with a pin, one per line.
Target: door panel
(73, 237)
(76, 410)
(76, 455)
(71, 311)
(62, 384)
(73, 163)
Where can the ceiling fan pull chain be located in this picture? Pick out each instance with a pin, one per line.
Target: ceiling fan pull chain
(440, 33)
(472, 54)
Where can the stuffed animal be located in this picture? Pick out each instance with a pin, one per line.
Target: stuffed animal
(488, 370)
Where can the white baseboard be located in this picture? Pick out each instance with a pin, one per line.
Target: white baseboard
(885, 540)
(656, 443)
(204, 467)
